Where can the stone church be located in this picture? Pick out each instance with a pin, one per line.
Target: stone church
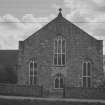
(60, 55)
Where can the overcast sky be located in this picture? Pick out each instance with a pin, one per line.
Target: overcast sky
(20, 18)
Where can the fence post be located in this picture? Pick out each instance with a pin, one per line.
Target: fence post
(41, 91)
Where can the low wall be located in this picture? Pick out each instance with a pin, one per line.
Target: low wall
(17, 90)
(86, 93)
(37, 91)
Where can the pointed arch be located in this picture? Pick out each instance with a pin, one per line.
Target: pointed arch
(32, 72)
(59, 51)
(86, 73)
(59, 81)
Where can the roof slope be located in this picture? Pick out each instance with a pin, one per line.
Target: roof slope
(59, 19)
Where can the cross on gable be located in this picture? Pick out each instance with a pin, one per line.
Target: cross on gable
(60, 9)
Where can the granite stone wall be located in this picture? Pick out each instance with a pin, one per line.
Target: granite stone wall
(17, 90)
(85, 93)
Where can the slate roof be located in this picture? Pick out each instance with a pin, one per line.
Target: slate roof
(8, 57)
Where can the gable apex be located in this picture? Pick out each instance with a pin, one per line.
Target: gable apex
(60, 12)
(58, 23)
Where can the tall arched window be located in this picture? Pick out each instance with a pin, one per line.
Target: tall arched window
(32, 72)
(86, 75)
(59, 82)
(59, 51)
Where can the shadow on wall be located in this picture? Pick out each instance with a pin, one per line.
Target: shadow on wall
(8, 75)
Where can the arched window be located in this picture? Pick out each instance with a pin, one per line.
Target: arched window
(86, 75)
(59, 82)
(32, 72)
(56, 83)
(59, 51)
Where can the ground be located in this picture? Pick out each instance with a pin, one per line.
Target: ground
(14, 100)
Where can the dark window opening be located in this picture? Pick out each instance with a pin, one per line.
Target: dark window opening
(63, 46)
(55, 59)
(89, 67)
(31, 80)
(84, 69)
(56, 83)
(89, 82)
(84, 82)
(61, 82)
(31, 65)
(59, 59)
(35, 65)
(63, 59)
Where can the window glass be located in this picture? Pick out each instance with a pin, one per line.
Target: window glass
(84, 82)
(86, 74)
(55, 50)
(55, 59)
(63, 46)
(31, 79)
(59, 46)
(35, 79)
(59, 59)
(35, 72)
(63, 59)
(32, 72)
(89, 82)
(84, 69)
(59, 51)
(88, 69)
(61, 82)
(31, 65)
(35, 65)
(31, 68)
(56, 83)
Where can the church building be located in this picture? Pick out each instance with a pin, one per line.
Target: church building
(60, 55)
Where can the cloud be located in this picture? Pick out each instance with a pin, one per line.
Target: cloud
(8, 21)
(56, 6)
(89, 15)
(13, 29)
(99, 2)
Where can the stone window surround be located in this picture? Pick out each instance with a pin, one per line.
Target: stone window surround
(87, 76)
(57, 39)
(34, 69)
(59, 79)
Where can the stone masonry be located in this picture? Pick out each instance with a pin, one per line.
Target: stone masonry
(79, 46)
